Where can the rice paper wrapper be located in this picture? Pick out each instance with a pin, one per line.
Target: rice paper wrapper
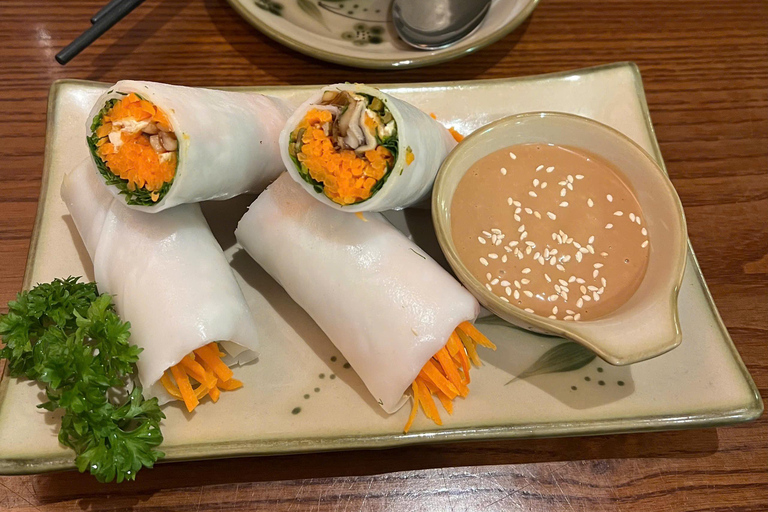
(385, 304)
(168, 275)
(407, 184)
(227, 140)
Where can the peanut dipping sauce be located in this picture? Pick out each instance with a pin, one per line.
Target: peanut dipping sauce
(551, 229)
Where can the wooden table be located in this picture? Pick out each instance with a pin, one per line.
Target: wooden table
(705, 66)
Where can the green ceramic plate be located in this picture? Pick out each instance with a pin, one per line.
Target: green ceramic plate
(359, 33)
(301, 396)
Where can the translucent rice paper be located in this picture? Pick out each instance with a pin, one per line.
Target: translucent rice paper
(227, 140)
(385, 304)
(168, 274)
(407, 184)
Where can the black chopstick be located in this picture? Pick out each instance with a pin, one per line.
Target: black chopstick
(109, 16)
(99, 15)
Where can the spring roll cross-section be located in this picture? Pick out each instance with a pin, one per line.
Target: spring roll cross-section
(356, 148)
(172, 282)
(396, 315)
(157, 145)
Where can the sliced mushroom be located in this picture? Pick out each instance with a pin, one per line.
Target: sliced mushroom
(169, 141)
(150, 129)
(154, 141)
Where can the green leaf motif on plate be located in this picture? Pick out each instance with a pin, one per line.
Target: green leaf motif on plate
(275, 8)
(565, 357)
(309, 7)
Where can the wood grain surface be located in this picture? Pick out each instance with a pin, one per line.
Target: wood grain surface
(705, 68)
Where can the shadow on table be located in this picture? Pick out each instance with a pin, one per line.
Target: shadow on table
(249, 43)
(58, 487)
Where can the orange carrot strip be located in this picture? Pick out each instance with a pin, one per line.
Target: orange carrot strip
(185, 388)
(169, 386)
(210, 355)
(414, 408)
(427, 404)
(476, 335)
(446, 401)
(456, 348)
(197, 372)
(214, 393)
(230, 385)
(456, 135)
(433, 375)
(451, 371)
(469, 345)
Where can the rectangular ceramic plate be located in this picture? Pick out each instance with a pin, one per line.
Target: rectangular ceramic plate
(301, 397)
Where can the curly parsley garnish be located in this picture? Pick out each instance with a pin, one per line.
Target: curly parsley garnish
(67, 337)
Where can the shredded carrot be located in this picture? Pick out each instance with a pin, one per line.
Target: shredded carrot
(346, 177)
(211, 374)
(456, 135)
(446, 375)
(361, 216)
(185, 388)
(409, 158)
(135, 160)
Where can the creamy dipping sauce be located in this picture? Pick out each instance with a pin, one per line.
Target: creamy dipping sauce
(551, 229)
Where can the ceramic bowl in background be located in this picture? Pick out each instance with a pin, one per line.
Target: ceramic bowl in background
(647, 324)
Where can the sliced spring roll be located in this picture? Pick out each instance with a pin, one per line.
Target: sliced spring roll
(157, 145)
(172, 282)
(356, 148)
(396, 315)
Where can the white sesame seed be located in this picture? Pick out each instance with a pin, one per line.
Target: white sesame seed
(524, 235)
(609, 197)
(532, 193)
(579, 256)
(539, 168)
(528, 211)
(521, 228)
(487, 234)
(557, 288)
(505, 283)
(537, 215)
(603, 254)
(644, 244)
(484, 261)
(541, 260)
(583, 289)
(519, 255)
(488, 276)
(550, 169)
(598, 265)
(481, 239)
(536, 256)
(552, 261)
(591, 239)
(496, 231)
(552, 317)
(562, 193)
(495, 282)
(596, 296)
(570, 179)
(563, 282)
(493, 239)
(569, 240)
(580, 280)
(592, 288)
(595, 273)
(560, 268)
(543, 185)
(526, 270)
(504, 258)
(489, 287)
(503, 171)
(570, 186)
(517, 283)
(516, 203)
(602, 280)
(618, 213)
(554, 310)
(513, 243)
(536, 182)
(631, 217)
(530, 244)
(497, 242)
(608, 226)
(569, 317)
(571, 279)
(577, 245)
(516, 295)
(528, 310)
(579, 177)
(559, 239)
(546, 276)
(587, 298)
(553, 298)
(509, 201)
(551, 215)
(562, 183)
(525, 280)
(528, 293)
(508, 290)
(577, 317)
(637, 220)
(600, 290)
(563, 204)
(579, 303)
(504, 299)
(517, 217)
(644, 232)
(570, 311)
(512, 156)
(493, 255)
(590, 203)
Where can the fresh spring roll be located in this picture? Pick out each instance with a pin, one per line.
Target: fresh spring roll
(356, 148)
(157, 145)
(396, 315)
(172, 282)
